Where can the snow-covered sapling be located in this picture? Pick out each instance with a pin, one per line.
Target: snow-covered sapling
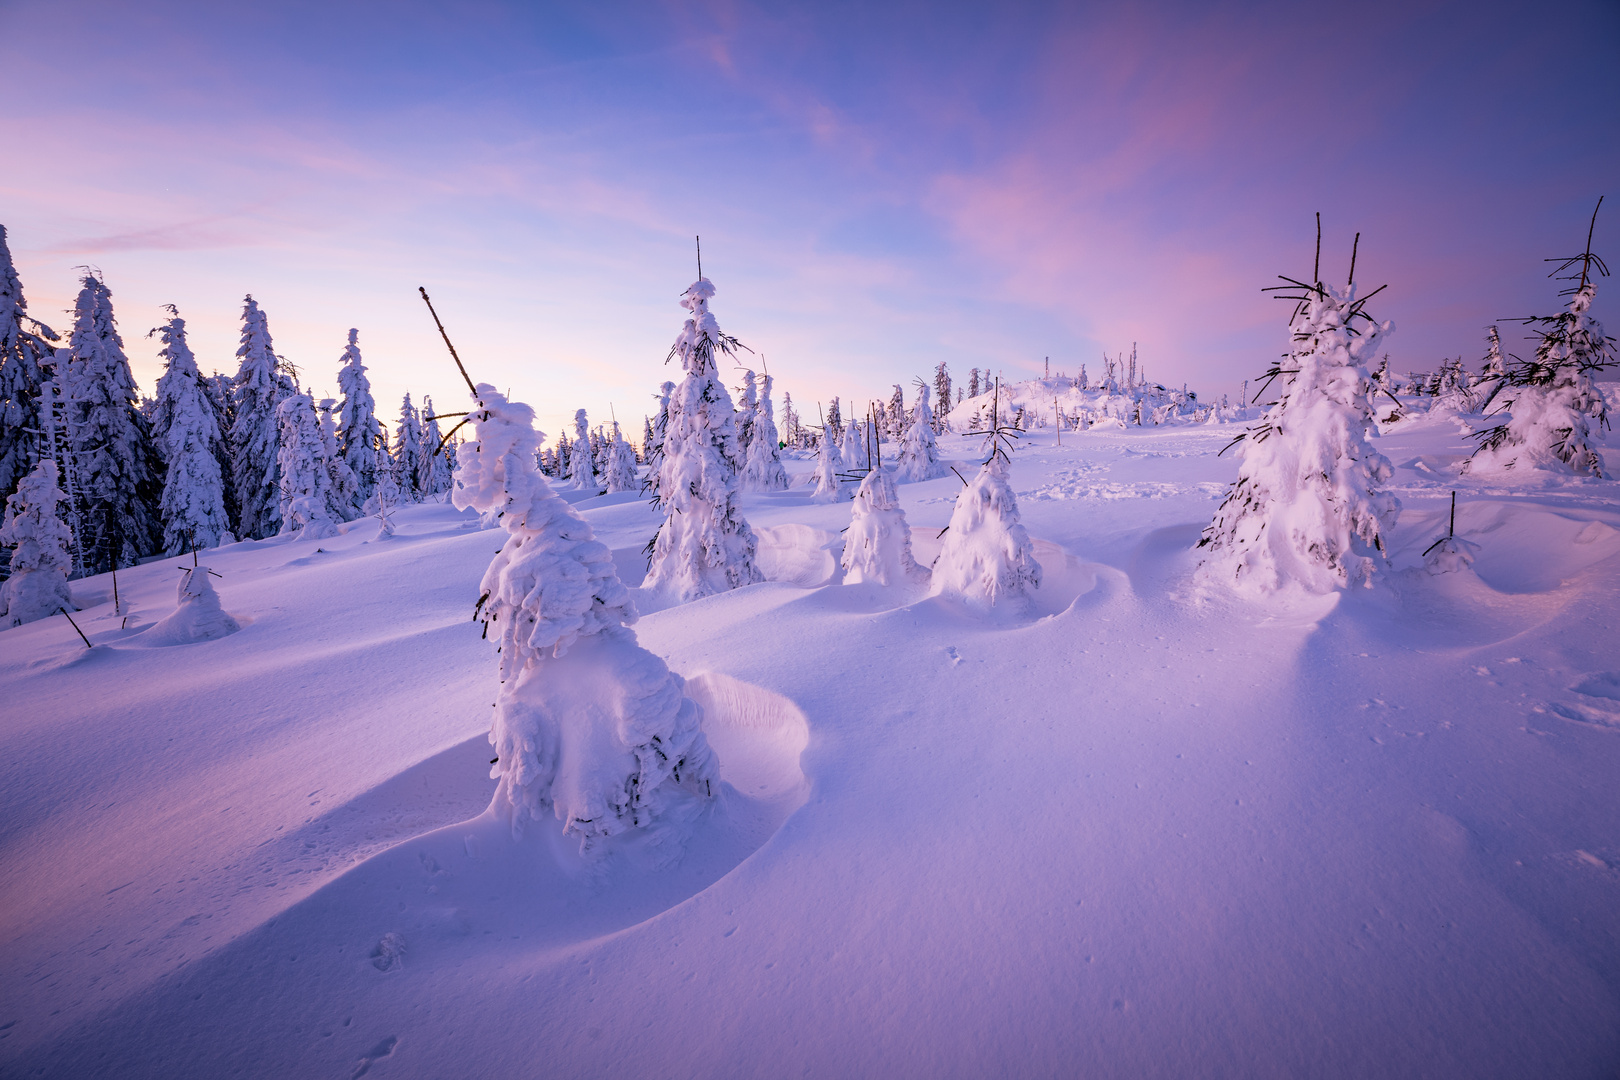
(622, 469)
(306, 484)
(40, 559)
(987, 558)
(384, 495)
(763, 471)
(1451, 552)
(877, 547)
(581, 466)
(1554, 400)
(197, 615)
(919, 450)
(830, 485)
(590, 728)
(704, 545)
(1306, 509)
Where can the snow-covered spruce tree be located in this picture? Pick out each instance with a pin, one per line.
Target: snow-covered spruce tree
(622, 469)
(834, 418)
(877, 547)
(407, 463)
(357, 422)
(895, 420)
(24, 350)
(855, 450)
(306, 486)
(747, 408)
(790, 421)
(919, 452)
(40, 562)
(581, 464)
(1305, 510)
(187, 434)
(385, 496)
(197, 614)
(830, 485)
(433, 477)
(343, 502)
(255, 442)
(590, 728)
(1554, 399)
(942, 396)
(704, 545)
(763, 470)
(118, 472)
(987, 558)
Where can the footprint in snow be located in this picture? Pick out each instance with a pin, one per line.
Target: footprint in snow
(1598, 705)
(378, 1052)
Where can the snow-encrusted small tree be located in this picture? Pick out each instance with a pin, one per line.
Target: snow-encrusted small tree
(830, 484)
(1306, 510)
(385, 496)
(255, 442)
(343, 501)
(987, 558)
(197, 615)
(747, 410)
(704, 545)
(40, 562)
(187, 434)
(919, 452)
(581, 464)
(117, 469)
(622, 469)
(24, 352)
(357, 422)
(894, 419)
(306, 486)
(407, 464)
(855, 450)
(433, 477)
(834, 418)
(877, 547)
(763, 470)
(1554, 399)
(942, 396)
(590, 728)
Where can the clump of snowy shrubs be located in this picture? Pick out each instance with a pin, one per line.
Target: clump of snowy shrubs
(1305, 510)
(590, 727)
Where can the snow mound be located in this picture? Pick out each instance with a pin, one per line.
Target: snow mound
(197, 616)
(796, 554)
(758, 736)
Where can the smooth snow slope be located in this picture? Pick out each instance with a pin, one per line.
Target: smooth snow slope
(1141, 832)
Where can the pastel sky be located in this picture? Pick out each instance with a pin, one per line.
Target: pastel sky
(878, 186)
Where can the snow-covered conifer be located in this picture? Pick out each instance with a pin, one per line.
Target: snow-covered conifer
(24, 352)
(40, 560)
(621, 467)
(1553, 400)
(116, 466)
(407, 464)
(344, 487)
(942, 396)
(895, 420)
(256, 391)
(974, 387)
(197, 614)
(385, 496)
(790, 421)
(987, 558)
(830, 485)
(877, 547)
(835, 418)
(855, 451)
(306, 485)
(581, 463)
(747, 408)
(919, 452)
(590, 728)
(433, 476)
(1305, 509)
(763, 470)
(187, 435)
(704, 545)
(357, 422)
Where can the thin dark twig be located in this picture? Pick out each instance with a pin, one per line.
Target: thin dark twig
(75, 626)
(473, 389)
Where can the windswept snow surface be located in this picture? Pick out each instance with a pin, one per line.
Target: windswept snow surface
(1144, 830)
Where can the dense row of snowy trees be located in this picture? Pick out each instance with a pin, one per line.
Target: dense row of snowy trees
(207, 459)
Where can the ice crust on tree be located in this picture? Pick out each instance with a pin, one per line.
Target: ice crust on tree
(590, 728)
(255, 442)
(1553, 400)
(919, 450)
(1305, 510)
(877, 547)
(987, 558)
(38, 585)
(197, 615)
(187, 432)
(704, 545)
(306, 489)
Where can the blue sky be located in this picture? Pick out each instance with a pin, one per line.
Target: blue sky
(879, 187)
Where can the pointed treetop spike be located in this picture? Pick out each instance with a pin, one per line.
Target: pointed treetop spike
(1316, 273)
(699, 240)
(1353, 249)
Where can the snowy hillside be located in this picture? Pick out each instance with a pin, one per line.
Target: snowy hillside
(1142, 829)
